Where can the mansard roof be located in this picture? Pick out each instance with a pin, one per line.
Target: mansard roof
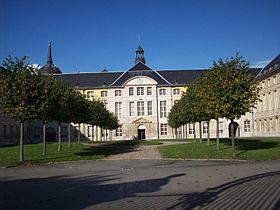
(118, 79)
(89, 80)
(270, 69)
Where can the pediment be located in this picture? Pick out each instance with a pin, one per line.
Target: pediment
(141, 120)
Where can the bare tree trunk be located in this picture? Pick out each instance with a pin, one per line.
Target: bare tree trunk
(232, 138)
(217, 133)
(208, 133)
(92, 132)
(21, 152)
(186, 131)
(194, 133)
(69, 134)
(200, 133)
(79, 134)
(59, 138)
(44, 139)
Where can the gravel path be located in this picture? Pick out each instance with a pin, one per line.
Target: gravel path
(147, 152)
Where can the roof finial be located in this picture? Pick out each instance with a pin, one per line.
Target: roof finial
(50, 61)
(139, 55)
(139, 39)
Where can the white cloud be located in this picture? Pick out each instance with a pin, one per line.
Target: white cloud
(260, 64)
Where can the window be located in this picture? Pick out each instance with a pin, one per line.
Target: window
(5, 131)
(140, 108)
(105, 102)
(90, 94)
(118, 93)
(162, 92)
(150, 107)
(131, 91)
(118, 109)
(162, 109)
(149, 91)
(104, 94)
(191, 129)
(140, 91)
(205, 128)
(176, 91)
(11, 131)
(89, 131)
(131, 108)
(119, 131)
(247, 126)
(221, 125)
(163, 129)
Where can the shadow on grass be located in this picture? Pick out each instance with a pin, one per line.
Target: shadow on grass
(108, 149)
(251, 144)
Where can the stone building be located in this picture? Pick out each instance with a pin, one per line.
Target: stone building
(141, 97)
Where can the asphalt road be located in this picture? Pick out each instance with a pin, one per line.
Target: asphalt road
(143, 184)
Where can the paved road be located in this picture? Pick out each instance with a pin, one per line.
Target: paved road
(142, 184)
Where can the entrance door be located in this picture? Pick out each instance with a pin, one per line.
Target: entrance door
(141, 134)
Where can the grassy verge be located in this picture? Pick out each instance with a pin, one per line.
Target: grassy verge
(9, 155)
(255, 148)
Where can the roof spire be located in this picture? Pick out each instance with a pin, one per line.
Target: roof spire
(139, 55)
(50, 61)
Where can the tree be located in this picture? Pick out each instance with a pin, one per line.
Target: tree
(20, 93)
(235, 90)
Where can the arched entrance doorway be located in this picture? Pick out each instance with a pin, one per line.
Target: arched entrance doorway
(141, 132)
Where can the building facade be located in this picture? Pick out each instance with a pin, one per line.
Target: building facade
(141, 98)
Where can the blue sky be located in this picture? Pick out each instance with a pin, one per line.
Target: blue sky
(90, 35)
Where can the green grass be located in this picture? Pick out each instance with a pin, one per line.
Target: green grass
(255, 148)
(9, 155)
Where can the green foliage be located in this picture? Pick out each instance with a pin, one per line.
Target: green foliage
(21, 90)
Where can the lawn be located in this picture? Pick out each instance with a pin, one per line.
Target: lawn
(9, 155)
(255, 148)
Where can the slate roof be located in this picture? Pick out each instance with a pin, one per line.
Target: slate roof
(89, 80)
(118, 79)
(270, 69)
(50, 69)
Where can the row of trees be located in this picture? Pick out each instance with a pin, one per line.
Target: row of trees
(26, 94)
(227, 90)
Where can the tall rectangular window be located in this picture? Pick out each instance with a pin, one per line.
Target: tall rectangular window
(103, 94)
(163, 129)
(162, 92)
(150, 107)
(191, 128)
(221, 127)
(149, 91)
(36, 132)
(119, 131)
(118, 93)
(205, 128)
(140, 91)
(118, 109)
(131, 91)
(89, 131)
(162, 109)
(140, 108)
(131, 108)
(247, 126)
